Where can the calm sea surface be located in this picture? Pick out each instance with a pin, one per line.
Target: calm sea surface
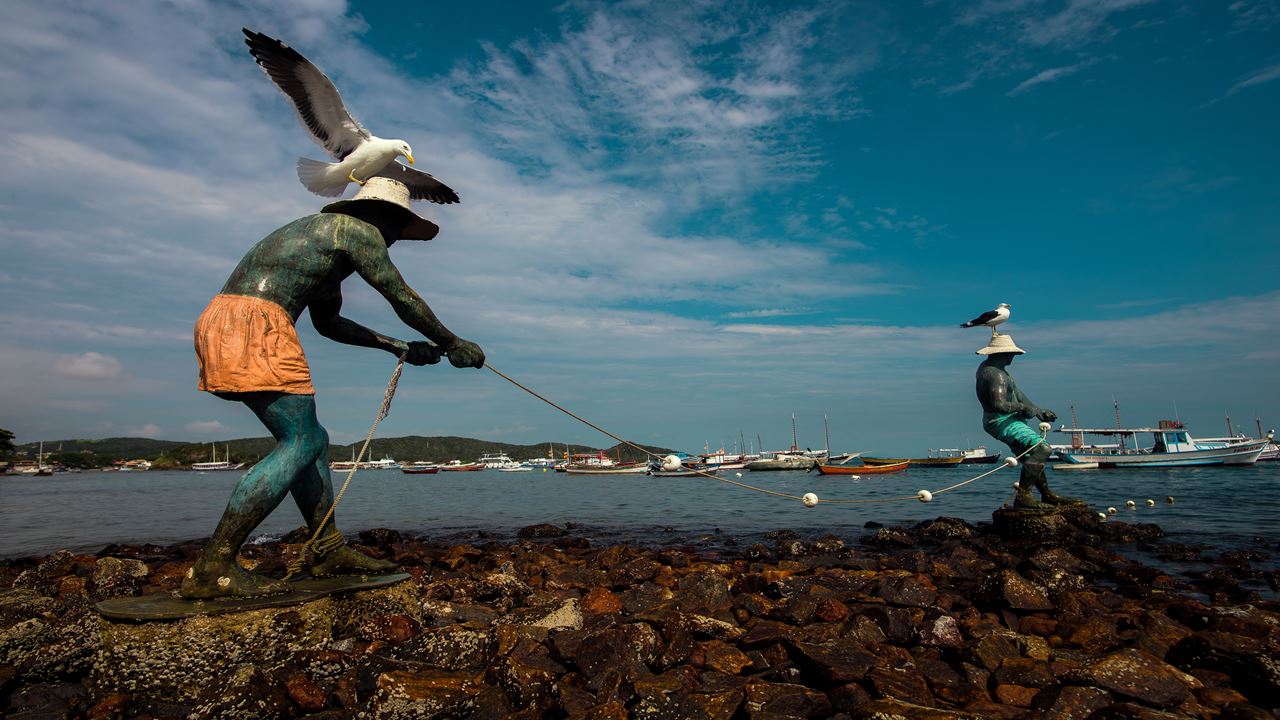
(1224, 508)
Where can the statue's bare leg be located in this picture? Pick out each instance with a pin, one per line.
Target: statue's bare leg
(1032, 476)
(313, 492)
(300, 440)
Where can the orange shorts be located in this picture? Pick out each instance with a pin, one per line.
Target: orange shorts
(247, 344)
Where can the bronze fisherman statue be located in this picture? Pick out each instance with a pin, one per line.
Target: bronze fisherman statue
(1005, 410)
(249, 351)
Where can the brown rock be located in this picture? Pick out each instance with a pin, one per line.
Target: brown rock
(599, 601)
(948, 685)
(1140, 676)
(847, 697)
(455, 647)
(612, 710)
(1096, 635)
(1253, 669)
(243, 693)
(837, 662)
(425, 695)
(766, 632)
(718, 706)
(903, 683)
(1159, 634)
(1024, 671)
(110, 707)
(625, 649)
(775, 700)
(831, 610)
(392, 629)
(71, 587)
(1019, 593)
(529, 678)
(720, 656)
(308, 695)
(941, 631)
(1016, 695)
(541, 530)
(995, 648)
(1219, 696)
(114, 577)
(1072, 702)
(892, 709)
(1038, 625)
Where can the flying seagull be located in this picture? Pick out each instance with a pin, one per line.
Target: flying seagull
(990, 318)
(360, 154)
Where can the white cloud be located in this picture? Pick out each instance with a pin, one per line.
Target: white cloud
(205, 427)
(149, 430)
(1049, 75)
(88, 366)
(1257, 77)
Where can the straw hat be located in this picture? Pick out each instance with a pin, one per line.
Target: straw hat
(1000, 344)
(383, 189)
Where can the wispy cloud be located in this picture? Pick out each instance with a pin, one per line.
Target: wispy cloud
(1257, 77)
(89, 366)
(205, 427)
(1049, 75)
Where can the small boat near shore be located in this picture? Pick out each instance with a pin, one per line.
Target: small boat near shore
(860, 470)
(970, 456)
(216, 464)
(459, 466)
(420, 468)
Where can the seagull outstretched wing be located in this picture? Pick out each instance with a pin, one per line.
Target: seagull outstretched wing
(312, 94)
(422, 186)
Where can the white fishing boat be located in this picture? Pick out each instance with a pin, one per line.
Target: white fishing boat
(1172, 446)
(214, 463)
(500, 461)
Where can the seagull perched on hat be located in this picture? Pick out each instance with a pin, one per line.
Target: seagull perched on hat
(360, 154)
(990, 318)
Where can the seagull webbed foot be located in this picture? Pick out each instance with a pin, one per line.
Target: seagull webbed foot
(352, 177)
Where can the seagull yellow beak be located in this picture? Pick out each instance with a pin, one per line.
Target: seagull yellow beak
(410, 158)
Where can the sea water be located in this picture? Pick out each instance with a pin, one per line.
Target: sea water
(1220, 507)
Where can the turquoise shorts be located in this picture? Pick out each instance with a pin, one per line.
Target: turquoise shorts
(1012, 431)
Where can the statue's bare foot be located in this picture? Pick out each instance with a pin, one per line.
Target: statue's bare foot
(1056, 499)
(228, 580)
(345, 561)
(1024, 499)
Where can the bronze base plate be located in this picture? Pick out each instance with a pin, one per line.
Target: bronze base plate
(169, 606)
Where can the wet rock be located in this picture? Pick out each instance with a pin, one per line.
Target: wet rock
(392, 629)
(110, 707)
(51, 646)
(941, 631)
(1027, 672)
(243, 693)
(456, 647)
(305, 692)
(44, 577)
(541, 530)
(381, 537)
(894, 709)
(1138, 675)
(600, 601)
(1071, 702)
(1016, 695)
(837, 663)
(1009, 589)
(945, 528)
(625, 649)
(900, 683)
(1251, 664)
(114, 577)
(529, 678)
(565, 616)
(720, 656)
(778, 700)
(41, 701)
(425, 695)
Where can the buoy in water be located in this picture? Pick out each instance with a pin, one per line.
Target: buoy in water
(809, 500)
(1102, 516)
(1130, 504)
(737, 474)
(1011, 461)
(924, 496)
(670, 463)
(1111, 510)
(1044, 428)
(1151, 503)
(1169, 499)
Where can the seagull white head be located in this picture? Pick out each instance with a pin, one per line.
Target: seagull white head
(404, 149)
(1001, 305)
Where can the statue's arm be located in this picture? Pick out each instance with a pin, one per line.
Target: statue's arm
(999, 395)
(1031, 409)
(373, 264)
(326, 316)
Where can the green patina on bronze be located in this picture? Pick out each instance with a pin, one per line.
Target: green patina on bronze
(302, 266)
(1005, 410)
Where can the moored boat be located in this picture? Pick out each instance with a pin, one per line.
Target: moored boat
(459, 466)
(782, 460)
(1172, 446)
(933, 462)
(614, 469)
(420, 468)
(859, 470)
(216, 464)
(970, 456)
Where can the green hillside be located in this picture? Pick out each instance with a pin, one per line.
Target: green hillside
(90, 453)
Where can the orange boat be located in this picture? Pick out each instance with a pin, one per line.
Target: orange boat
(862, 469)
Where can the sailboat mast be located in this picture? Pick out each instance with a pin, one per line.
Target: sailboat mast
(1258, 420)
(794, 444)
(1116, 404)
(826, 435)
(1231, 432)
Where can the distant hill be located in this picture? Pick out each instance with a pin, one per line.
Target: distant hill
(407, 449)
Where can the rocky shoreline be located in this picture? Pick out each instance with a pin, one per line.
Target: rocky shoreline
(943, 619)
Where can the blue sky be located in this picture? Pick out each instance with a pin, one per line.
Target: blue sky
(683, 223)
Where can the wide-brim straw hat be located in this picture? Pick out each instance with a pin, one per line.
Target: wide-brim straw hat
(1001, 344)
(386, 190)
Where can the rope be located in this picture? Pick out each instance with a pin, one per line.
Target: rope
(334, 540)
(766, 491)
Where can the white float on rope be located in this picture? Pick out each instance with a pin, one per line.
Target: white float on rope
(1111, 510)
(1151, 503)
(809, 500)
(670, 463)
(1011, 461)
(924, 496)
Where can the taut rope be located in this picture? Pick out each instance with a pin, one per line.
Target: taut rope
(766, 491)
